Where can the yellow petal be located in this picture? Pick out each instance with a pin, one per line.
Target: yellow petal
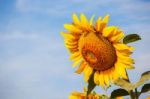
(115, 74)
(118, 37)
(77, 58)
(102, 24)
(129, 67)
(91, 20)
(126, 60)
(106, 19)
(75, 19)
(125, 65)
(72, 28)
(98, 23)
(71, 46)
(96, 77)
(101, 80)
(67, 35)
(81, 67)
(71, 43)
(76, 62)
(106, 77)
(111, 73)
(108, 31)
(87, 72)
(148, 97)
(120, 97)
(121, 70)
(120, 46)
(73, 97)
(84, 21)
(124, 53)
(74, 55)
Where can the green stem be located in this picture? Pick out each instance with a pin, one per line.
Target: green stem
(131, 91)
(132, 94)
(136, 92)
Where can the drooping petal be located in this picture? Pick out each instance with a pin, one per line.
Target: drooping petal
(76, 62)
(81, 67)
(101, 79)
(115, 74)
(96, 77)
(106, 77)
(121, 70)
(87, 72)
(111, 71)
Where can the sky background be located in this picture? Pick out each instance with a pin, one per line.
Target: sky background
(34, 63)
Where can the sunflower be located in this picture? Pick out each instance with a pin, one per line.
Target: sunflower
(120, 97)
(148, 97)
(92, 95)
(78, 95)
(98, 48)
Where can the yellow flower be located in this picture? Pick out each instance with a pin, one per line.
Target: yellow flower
(98, 47)
(121, 97)
(78, 95)
(148, 97)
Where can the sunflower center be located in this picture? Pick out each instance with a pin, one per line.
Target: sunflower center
(97, 51)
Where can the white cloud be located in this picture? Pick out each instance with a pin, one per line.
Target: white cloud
(18, 35)
(40, 69)
(124, 7)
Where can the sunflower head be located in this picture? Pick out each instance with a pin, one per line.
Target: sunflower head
(98, 47)
(97, 51)
(78, 95)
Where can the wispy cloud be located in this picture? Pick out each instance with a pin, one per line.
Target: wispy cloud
(18, 35)
(34, 62)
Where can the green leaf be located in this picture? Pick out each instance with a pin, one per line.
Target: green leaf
(129, 86)
(119, 92)
(91, 84)
(124, 84)
(131, 38)
(145, 77)
(145, 88)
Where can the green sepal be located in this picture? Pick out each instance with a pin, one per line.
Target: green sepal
(131, 38)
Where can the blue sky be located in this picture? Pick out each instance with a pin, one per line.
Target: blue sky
(34, 63)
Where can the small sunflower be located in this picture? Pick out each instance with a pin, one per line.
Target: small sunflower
(98, 48)
(78, 95)
(121, 97)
